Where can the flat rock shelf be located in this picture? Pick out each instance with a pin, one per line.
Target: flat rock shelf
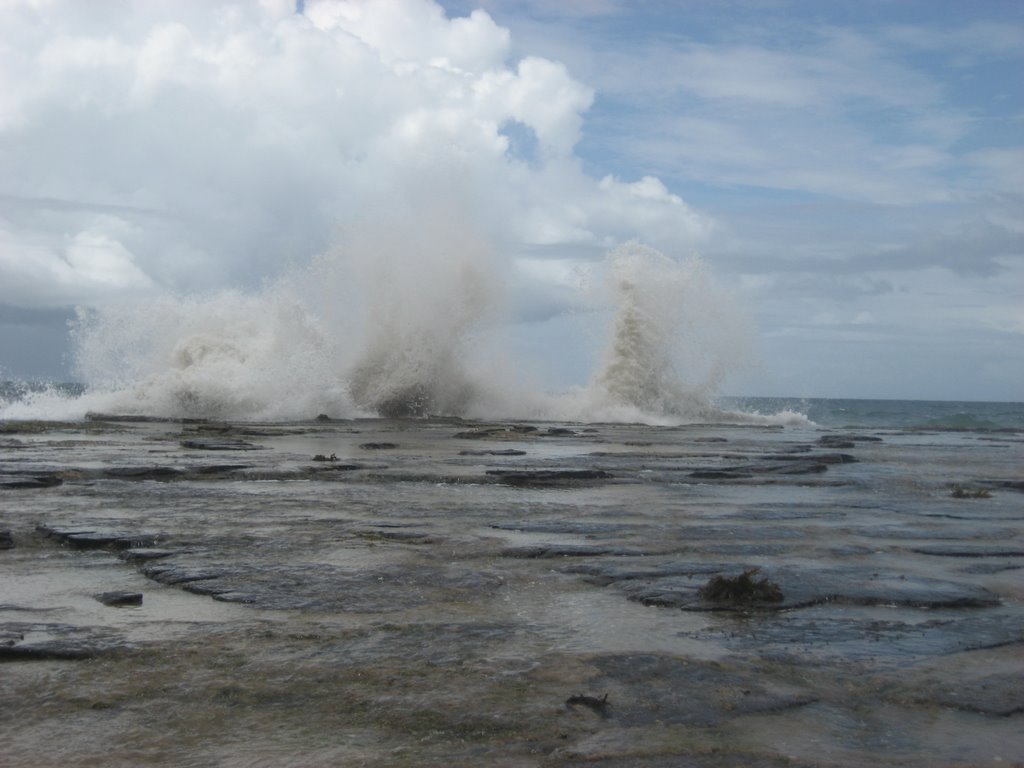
(438, 592)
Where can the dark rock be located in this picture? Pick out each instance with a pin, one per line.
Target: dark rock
(143, 473)
(573, 527)
(832, 440)
(60, 531)
(176, 574)
(567, 550)
(218, 469)
(26, 480)
(833, 458)
(604, 572)
(35, 641)
(720, 474)
(52, 651)
(506, 432)
(967, 550)
(6, 540)
(809, 467)
(113, 539)
(781, 464)
(547, 477)
(128, 418)
(145, 554)
(507, 452)
(986, 568)
(218, 444)
(378, 446)
(85, 537)
(337, 466)
(119, 599)
(415, 537)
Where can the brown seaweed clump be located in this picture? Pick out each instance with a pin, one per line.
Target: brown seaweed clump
(741, 589)
(959, 492)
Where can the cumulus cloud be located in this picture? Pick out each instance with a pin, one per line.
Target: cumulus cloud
(92, 261)
(154, 146)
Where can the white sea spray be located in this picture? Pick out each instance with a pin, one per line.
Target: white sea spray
(395, 325)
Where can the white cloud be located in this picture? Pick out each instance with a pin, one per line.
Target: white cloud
(246, 136)
(92, 261)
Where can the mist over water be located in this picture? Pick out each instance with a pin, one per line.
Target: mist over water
(384, 325)
(418, 308)
(673, 340)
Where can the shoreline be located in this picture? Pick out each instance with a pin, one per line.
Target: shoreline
(455, 592)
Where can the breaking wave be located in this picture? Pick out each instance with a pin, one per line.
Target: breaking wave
(385, 328)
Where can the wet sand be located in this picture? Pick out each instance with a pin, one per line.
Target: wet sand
(441, 592)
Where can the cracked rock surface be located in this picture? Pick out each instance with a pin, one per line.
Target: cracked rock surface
(507, 594)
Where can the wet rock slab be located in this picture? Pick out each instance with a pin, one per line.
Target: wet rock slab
(548, 477)
(454, 608)
(160, 473)
(801, 588)
(646, 689)
(28, 480)
(570, 527)
(498, 432)
(218, 444)
(969, 550)
(1000, 695)
(321, 587)
(119, 599)
(494, 452)
(39, 641)
(89, 537)
(547, 551)
(851, 635)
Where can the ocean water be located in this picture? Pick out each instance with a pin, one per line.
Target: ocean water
(890, 414)
(72, 400)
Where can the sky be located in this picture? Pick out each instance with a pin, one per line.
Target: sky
(850, 173)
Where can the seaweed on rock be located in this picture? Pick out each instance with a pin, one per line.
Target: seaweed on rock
(741, 589)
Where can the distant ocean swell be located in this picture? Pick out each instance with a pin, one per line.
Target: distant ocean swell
(919, 415)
